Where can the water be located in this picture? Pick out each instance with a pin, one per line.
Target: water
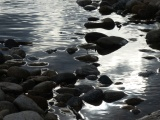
(52, 24)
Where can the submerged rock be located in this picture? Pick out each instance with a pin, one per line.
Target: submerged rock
(134, 101)
(38, 64)
(111, 96)
(87, 58)
(105, 80)
(87, 70)
(71, 50)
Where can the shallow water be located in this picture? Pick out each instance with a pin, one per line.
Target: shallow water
(52, 24)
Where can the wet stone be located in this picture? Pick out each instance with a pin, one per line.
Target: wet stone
(39, 79)
(90, 7)
(93, 97)
(28, 84)
(8, 105)
(111, 96)
(8, 57)
(106, 10)
(71, 50)
(51, 51)
(73, 91)
(49, 73)
(149, 57)
(51, 116)
(146, 50)
(63, 97)
(15, 56)
(136, 111)
(93, 19)
(84, 88)
(18, 72)
(104, 79)
(38, 64)
(118, 83)
(33, 58)
(10, 43)
(134, 101)
(128, 107)
(83, 2)
(18, 51)
(75, 103)
(15, 62)
(87, 58)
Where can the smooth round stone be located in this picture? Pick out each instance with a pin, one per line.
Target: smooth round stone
(25, 103)
(6, 105)
(93, 97)
(63, 97)
(24, 115)
(28, 84)
(134, 101)
(10, 43)
(84, 88)
(73, 91)
(12, 80)
(13, 88)
(90, 7)
(106, 10)
(18, 72)
(93, 19)
(39, 79)
(38, 64)
(92, 37)
(111, 96)
(44, 87)
(71, 50)
(65, 78)
(136, 111)
(87, 58)
(118, 83)
(149, 57)
(75, 103)
(104, 79)
(83, 2)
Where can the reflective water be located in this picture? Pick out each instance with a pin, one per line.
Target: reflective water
(52, 24)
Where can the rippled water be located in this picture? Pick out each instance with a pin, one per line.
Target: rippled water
(52, 24)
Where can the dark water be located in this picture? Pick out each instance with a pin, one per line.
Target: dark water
(52, 24)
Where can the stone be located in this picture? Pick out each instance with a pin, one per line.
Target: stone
(15, 56)
(128, 107)
(51, 116)
(44, 87)
(2, 95)
(146, 73)
(28, 85)
(3, 72)
(24, 115)
(71, 50)
(40, 101)
(83, 2)
(93, 97)
(86, 70)
(110, 44)
(132, 3)
(63, 98)
(107, 24)
(153, 116)
(134, 101)
(18, 51)
(90, 7)
(6, 105)
(135, 111)
(75, 103)
(84, 88)
(106, 10)
(87, 58)
(92, 37)
(32, 58)
(88, 46)
(65, 78)
(104, 79)
(112, 96)
(93, 19)
(12, 88)
(2, 60)
(25, 103)
(39, 79)
(10, 43)
(8, 57)
(49, 73)
(18, 72)
(50, 51)
(73, 91)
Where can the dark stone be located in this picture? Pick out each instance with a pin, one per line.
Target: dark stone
(63, 97)
(105, 80)
(65, 78)
(83, 2)
(84, 88)
(106, 10)
(2, 58)
(93, 97)
(90, 7)
(93, 19)
(18, 51)
(111, 96)
(11, 43)
(134, 101)
(73, 91)
(92, 37)
(75, 103)
(8, 105)
(71, 50)
(28, 84)
(87, 58)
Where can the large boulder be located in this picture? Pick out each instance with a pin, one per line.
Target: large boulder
(24, 115)
(25, 103)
